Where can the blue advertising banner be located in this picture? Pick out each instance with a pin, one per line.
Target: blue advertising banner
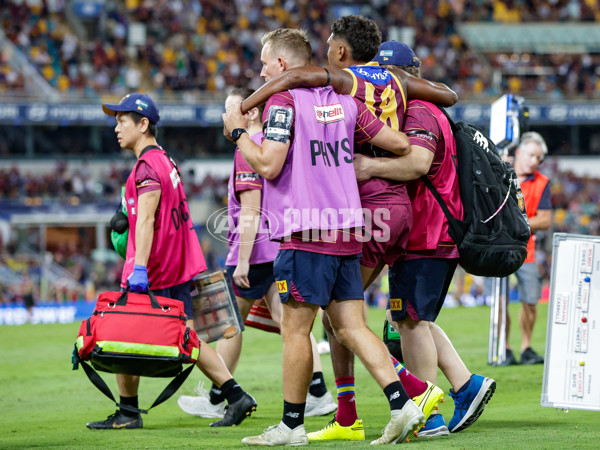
(209, 114)
(539, 113)
(92, 114)
(17, 314)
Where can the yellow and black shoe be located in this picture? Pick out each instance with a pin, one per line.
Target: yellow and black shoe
(333, 431)
(429, 400)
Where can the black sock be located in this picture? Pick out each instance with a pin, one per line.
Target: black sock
(317, 385)
(216, 395)
(232, 391)
(129, 401)
(396, 395)
(293, 414)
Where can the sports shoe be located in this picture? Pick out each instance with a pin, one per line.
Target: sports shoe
(470, 401)
(333, 431)
(323, 347)
(319, 406)
(435, 426)
(403, 425)
(201, 406)
(237, 411)
(116, 421)
(279, 435)
(429, 400)
(510, 359)
(529, 356)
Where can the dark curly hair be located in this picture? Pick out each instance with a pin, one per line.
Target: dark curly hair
(362, 34)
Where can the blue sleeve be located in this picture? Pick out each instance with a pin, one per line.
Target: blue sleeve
(545, 202)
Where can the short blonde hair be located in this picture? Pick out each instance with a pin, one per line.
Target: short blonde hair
(294, 42)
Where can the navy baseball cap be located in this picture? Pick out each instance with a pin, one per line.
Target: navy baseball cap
(139, 103)
(394, 53)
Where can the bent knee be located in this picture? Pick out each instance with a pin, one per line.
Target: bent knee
(409, 324)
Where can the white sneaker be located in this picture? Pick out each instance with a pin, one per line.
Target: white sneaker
(403, 425)
(323, 347)
(319, 406)
(279, 435)
(201, 406)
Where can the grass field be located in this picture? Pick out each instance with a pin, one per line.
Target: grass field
(45, 404)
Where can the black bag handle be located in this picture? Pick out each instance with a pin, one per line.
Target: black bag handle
(122, 300)
(167, 392)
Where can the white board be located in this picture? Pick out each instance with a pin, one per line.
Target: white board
(572, 363)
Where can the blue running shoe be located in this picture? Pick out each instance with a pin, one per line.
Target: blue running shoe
(470, 401)
(435, 426)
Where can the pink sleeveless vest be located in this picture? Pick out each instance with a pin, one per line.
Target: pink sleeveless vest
(317, 187)
(264, 250)
(430, 225)
(176, 256)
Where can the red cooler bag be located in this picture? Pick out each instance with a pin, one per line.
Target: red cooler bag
(136, 334)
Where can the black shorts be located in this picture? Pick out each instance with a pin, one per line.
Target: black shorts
(316, 278)
(418, 288)
(181, 292)
(260, 277)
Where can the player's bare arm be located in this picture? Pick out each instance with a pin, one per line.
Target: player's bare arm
(421, 89)
(399, 168)
(267, 160)
(248, 226)
(307, 76)
(391, 140)
(542, 220)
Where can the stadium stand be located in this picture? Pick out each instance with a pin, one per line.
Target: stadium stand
(185, 49)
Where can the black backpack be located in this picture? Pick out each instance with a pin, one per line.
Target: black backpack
(492, 238)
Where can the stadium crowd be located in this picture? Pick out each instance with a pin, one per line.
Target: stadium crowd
(66, 185)
(193, 46)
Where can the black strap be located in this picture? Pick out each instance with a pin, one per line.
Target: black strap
(150, 147)
(173, 386)
(438, 197)
(167, 392)
(450, 121)
(456, 227)
(328, 76)
(122, 301)
(158, 147)
(422, 133)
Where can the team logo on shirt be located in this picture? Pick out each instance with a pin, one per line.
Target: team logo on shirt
(281, 286)
(247, 177)
(175, 179)
(329, 113)
(520, 201)
(396, 304)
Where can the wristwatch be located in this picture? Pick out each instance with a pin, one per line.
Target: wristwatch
(237, 133)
